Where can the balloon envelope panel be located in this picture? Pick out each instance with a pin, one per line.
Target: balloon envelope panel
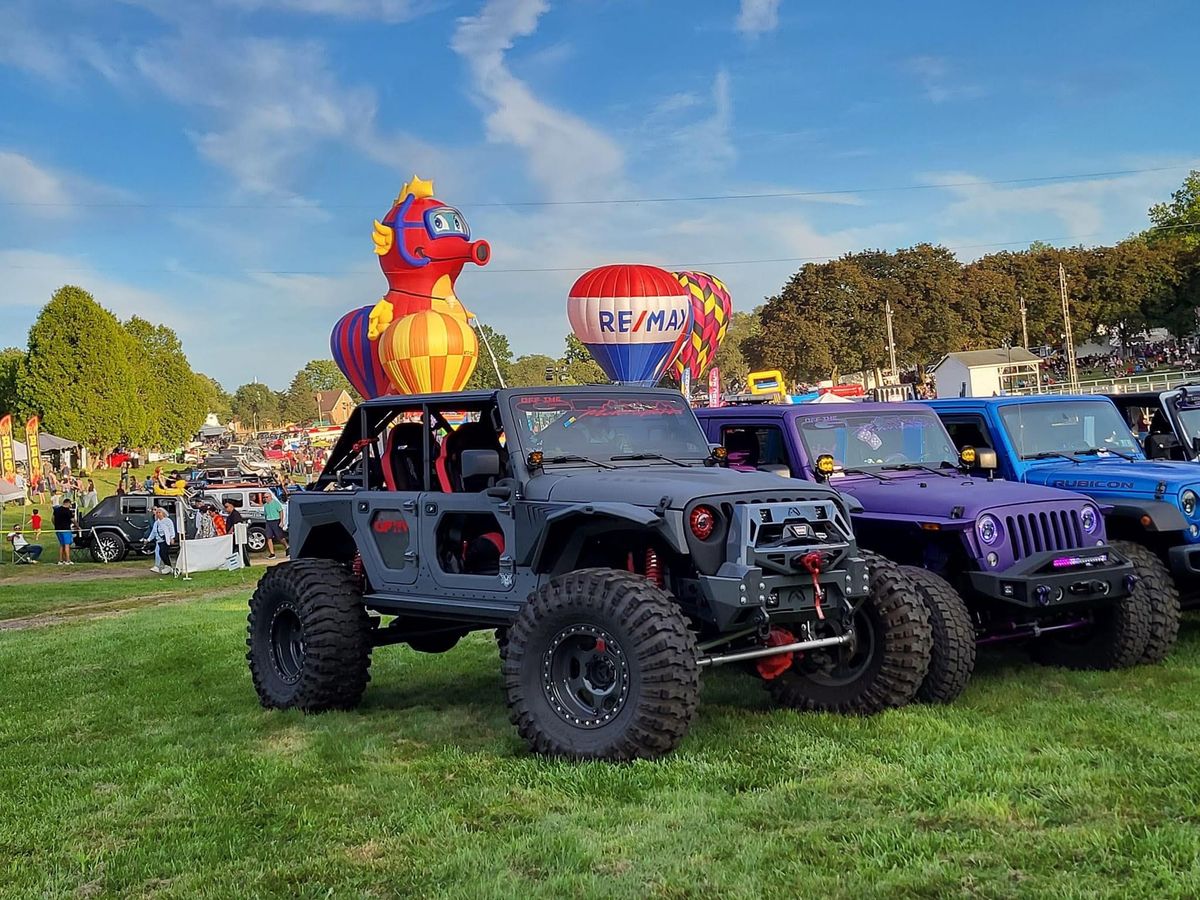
(632, 318)
(357, 356)
(429, 352)
(712, 308)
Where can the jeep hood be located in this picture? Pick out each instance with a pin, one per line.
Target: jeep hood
(932, 496)
(646, 485)
(1117, 477)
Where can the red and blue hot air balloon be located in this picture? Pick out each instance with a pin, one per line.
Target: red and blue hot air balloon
(632, 318)
(357, 356)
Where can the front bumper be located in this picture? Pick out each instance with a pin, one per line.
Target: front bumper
(763, 571)
(1184, 562)
(1058, 578)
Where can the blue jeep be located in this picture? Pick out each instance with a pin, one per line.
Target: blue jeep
(1083, 444)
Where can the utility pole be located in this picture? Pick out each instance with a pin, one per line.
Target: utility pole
(887, 307)
(1024, 324)
(1072, 372)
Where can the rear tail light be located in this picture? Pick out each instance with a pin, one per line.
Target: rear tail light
(703, 522)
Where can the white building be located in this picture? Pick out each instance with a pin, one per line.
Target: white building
(986, 373)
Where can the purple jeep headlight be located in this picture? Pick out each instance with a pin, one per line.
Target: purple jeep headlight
(1089, 518)
(988, 529)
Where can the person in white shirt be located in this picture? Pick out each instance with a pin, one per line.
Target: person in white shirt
(23, 551)
(162, 534)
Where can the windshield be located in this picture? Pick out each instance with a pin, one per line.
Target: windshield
(600, 426)
(1189, 421)
(864, 439)
(1067, 427)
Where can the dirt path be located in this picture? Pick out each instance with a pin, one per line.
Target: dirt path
(101, 609)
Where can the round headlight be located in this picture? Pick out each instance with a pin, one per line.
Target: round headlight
(703, 521)
(1089, 518)
(988, 529)
(1188, 502)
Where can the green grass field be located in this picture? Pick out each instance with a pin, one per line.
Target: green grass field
(136, 761)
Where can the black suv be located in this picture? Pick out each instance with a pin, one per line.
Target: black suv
(594, 530)
(118, 525)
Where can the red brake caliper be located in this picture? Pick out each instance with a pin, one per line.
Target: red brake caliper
(812, 564)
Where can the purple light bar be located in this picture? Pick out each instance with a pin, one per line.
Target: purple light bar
(1065, 562)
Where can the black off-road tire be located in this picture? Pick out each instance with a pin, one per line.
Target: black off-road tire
(316, 603)
(896, 662)
(1116, 639)
(953, 658)
(648, 660)
(1155, 581)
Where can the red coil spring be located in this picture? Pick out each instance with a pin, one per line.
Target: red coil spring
(358, 570)
(653, 570)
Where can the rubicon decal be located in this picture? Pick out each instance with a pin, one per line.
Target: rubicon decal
(1091, 483)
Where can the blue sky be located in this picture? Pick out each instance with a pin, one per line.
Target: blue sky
(216, 164)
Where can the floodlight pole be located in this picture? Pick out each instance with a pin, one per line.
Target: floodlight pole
(1072, 372)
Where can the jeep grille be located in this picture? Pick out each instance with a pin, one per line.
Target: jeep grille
(1037, 532)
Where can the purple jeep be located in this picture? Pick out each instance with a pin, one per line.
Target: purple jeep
(996, 560)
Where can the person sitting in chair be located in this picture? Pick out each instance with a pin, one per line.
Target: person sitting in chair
(23, 551)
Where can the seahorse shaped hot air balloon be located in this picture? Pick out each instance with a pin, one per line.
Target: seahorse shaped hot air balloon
(422, 244)
(417, 338)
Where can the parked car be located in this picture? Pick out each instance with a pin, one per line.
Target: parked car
(118, 525)
(1166, 423)
(613, 556)
(997, 560)
(249, 500)
(1083, 444)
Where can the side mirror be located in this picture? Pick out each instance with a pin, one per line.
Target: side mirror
(480, 463)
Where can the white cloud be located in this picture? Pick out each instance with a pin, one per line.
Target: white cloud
(55, 54)
(1093, 210)
(382, 10)
(757, 16)
(269, 102)
(44, 192)
(939, 81)
(566, 156)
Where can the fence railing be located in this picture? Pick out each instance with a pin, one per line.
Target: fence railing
(1151, 381)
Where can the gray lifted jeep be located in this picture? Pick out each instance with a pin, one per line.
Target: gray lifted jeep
(596, 531)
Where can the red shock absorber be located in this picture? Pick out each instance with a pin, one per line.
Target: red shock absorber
(358, 570)
(653, 570)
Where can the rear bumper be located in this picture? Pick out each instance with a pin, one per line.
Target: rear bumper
(1081, 577)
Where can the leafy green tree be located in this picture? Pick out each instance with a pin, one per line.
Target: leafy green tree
(80, 373)
(216, 399)
(731, 359)
(255, 405)
(10, 362)
(484, 376)
(827, 320)
(530, 371)
(299, 402)
(1178, 220)
(580, 367)
(174, 410)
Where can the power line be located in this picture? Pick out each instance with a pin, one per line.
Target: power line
(675, 266)
(609, 201)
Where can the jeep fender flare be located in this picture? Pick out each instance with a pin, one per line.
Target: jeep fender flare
(1163, 516)
(589, 520)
